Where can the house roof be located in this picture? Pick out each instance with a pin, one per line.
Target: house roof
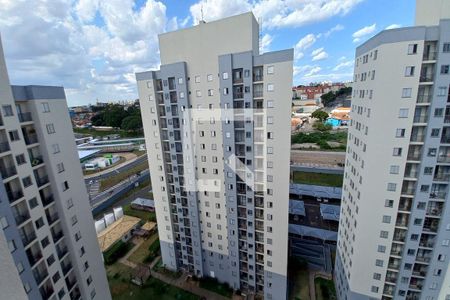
(116, 231)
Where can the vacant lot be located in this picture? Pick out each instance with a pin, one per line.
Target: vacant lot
(318, 179)
(335, 141)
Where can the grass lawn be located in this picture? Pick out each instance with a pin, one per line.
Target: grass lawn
(122, 289)
(160, 269)
(113, 180)
(216, 287)
(117, 251)
(325, 289)
(142, 214)
(318, 179)
(142, 252)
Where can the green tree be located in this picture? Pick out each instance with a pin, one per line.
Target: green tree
(322, 127)
(328, 98)
(320, 115)
(132, 123)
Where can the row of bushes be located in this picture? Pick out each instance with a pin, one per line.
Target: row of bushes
(153, 251)
(317, 137)
(117, 251)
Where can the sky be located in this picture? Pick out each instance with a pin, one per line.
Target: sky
(94, 47)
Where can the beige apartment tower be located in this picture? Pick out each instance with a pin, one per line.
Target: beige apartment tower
(217, 122)
(48, 244)
(394, 231)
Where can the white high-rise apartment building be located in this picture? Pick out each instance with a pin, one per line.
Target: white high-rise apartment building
(394, 232)
(217, 126)
(48, 244)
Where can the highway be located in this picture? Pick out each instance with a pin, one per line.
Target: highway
(115, 171)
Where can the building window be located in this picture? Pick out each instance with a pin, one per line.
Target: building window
(4, 222)
(225, 75)
(27, 181)
(406, 92)
(442, 91)
(379, 263)
(77, 236)
(435, 132)
(438, 112)
(65, 186)
(384, 234)
(225, 91)
(400, 132)
(55, 148)
(391, 187)
(397, 152)
(209, 77)
(428, 171)
(60, 167)
(210, 92)
(20, 159)
(7, 110)
(409, 71)
(33, 203)
(197, 79)
(374, 289)
(180, 80)
(270, 69)
(445, 69)
(14, 135)
(403, 113)
(412, 49)
(50, 128)
(270, 87)
(387, 219)
(74, 220)
(45, 107)
(394, 169)
(446, 47)
(39, 223)
(69, 203)
(270, 104)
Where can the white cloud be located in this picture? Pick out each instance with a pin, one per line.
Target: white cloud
(303, 44)
(363, 32)
(336, 28)
(275, 13)
(58, 43)
(319, 54)
(306, 70)
(265, 43)
(343, 65)
(393, 26)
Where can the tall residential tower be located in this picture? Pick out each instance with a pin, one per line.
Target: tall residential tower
(394, 232)
(48, 243)
(217, 121)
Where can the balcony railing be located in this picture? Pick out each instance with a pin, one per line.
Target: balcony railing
(46, 292)
(8, 172)
(57, 236)
(258, 77)
(66, 268)
(426, 78)
(420, 119)
(40, 276)
(425, 259)
(257, 94)
(14, 195)
(30, 138)
(61, 252)
(36, 160)
(42, 180)
(47, 200)
(238, 95)
(4, 147)
(430, 55)
(21, 218)
(438, 195)
(442, 177)
(25, 117)
(425, 98)
(28, 238)
(52, 218)
(34, 258)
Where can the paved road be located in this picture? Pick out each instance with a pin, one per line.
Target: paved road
(113, 172)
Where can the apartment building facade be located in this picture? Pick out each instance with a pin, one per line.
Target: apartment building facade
(216, 123)
(47, 235)
(394, 232)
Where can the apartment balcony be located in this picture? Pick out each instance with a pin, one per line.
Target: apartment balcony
(36, 160)
(57, 235)
(40, 273)
(259, 248)
(172, 85)
(46, 291)
(416, 284)
(431, 225)
(422, 118)
(46, 200)
(424, 98)
(34, 254)
(424, 256)
(258, 74)
(21, 214)
(238, 94)
(30, 138)
(420, 270)
(159, 85)
(435, 209)
(397, 250)
(258, 94)
(27, 238)
(61, 251)
(52, 218)
(429, 55)
(7, 172)
(13, 196)
(391, 279)
(427, 241)
(438, 195)
(66, 268)
(388, 290)
(1, 121)
(400, 236)
(4, 147)
(42, 180)
(417, 138)
(25, 117)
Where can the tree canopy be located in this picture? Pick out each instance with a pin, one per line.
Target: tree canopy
(320, 115)
(115, 115)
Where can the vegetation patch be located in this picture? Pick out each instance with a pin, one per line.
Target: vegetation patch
(117, 251)
(298, 279)
(324, 289)
(141, 254)
(159, 267)
(322, 138)
(323, 179)
(215, 286)
(142, 214)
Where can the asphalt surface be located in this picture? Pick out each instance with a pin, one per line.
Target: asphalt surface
(113, 172)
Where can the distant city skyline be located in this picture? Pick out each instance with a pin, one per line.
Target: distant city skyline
(93, 47)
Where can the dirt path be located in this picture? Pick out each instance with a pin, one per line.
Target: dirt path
(317, 157)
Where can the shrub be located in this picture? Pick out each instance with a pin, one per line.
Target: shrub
(117, 251)
(322, 127)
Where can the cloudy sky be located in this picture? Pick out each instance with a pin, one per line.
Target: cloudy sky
(94, 47)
